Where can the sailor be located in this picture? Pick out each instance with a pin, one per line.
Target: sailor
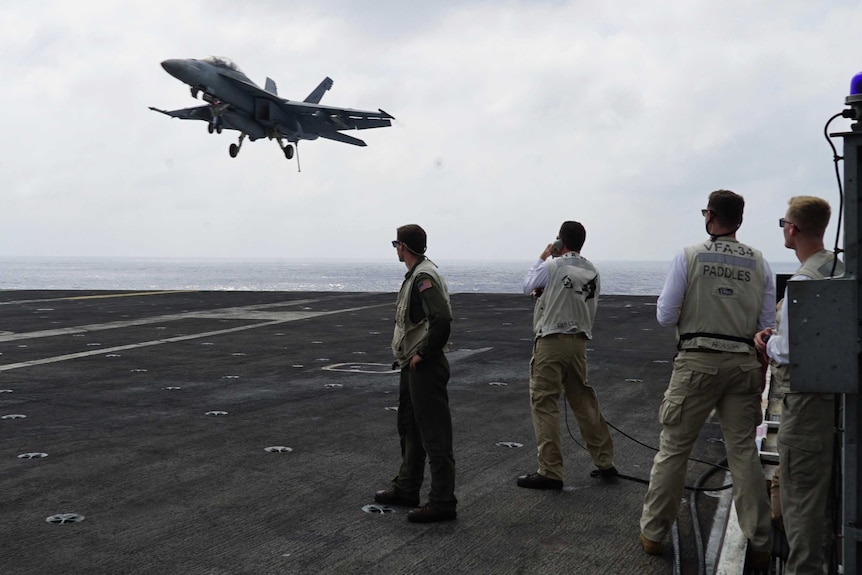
(718, 293)
(567, 288)
(422, 324)
(806, 434)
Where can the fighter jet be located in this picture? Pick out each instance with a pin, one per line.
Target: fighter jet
(234, 102)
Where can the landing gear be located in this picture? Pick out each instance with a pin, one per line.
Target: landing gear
(215, 125)
(233, 150)
(287, 149)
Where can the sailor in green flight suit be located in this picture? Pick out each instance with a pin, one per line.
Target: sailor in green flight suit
(422, 323)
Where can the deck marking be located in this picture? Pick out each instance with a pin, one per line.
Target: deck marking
(252, 312)
(94, 296)
(286, 317)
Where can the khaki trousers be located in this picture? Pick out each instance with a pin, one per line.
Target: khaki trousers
(701, 382)
(805, 442)
(559, 365)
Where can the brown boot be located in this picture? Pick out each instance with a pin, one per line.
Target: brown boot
(651, 547)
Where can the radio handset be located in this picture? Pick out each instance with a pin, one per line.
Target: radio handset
(556, 248)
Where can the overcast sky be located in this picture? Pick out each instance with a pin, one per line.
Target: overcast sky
(510, 118)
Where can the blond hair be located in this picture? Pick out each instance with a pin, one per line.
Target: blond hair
(809, 214)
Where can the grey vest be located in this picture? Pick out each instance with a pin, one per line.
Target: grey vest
(408, 336)
(568, 304)
(724, 296)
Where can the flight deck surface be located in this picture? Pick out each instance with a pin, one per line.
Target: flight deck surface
(246, 433)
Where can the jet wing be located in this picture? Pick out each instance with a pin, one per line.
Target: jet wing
(328, 117)
(197, 113)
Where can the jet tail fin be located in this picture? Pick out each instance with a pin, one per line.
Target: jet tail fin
(317, 94)
(270, 86)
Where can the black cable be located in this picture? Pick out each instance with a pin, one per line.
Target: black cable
(835, 159)
(646, 481)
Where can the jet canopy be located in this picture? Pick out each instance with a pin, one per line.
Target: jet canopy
(222, 62)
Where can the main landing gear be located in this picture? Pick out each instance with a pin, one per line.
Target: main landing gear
(233, 150)
(287, 149)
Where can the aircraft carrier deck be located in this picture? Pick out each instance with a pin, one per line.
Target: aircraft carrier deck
(246, 432)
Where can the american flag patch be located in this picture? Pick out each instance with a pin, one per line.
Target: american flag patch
(424, 285)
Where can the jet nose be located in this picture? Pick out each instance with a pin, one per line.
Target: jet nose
(174, 67)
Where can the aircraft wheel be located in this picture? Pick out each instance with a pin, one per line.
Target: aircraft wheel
(233, 150)
(288, 151)
(210, 128)
(218, 129)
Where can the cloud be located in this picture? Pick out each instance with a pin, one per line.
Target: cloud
(510, 117)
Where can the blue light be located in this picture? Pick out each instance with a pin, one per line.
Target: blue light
(856, 85)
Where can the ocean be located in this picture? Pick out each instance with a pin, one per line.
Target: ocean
(348, 275)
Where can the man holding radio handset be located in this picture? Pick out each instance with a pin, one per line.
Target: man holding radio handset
(566, 287)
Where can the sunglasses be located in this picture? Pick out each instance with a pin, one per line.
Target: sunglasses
(395, 243)
(782, 222)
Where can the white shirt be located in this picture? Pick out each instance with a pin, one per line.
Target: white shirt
(778, 346)
(673, 293)
(537, 277)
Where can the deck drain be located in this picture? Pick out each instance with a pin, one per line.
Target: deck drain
(322, 359)
(297, 365)
(373, 333)
(377, 509)
(278, 449)
(393, 408)
(333, 385)
(13, 416)
(498, 384)
(216, 412)
(634, 380)
(61, 518)
(173, 387)
(113, 355)
(238, 354)
(316, 342)
(230, 377)
(34, 455)
(138, 370)
(661, 361)
(207, 343)
(5, 391)
(358, 353)
(509, 444)
(93, 344)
